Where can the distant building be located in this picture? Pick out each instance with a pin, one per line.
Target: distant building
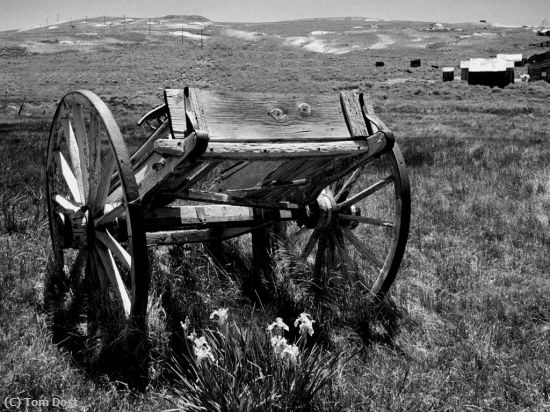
(448, 74)
(516, 58)
(539, 67)
(490, 72)
(464, 65)
(415, 63)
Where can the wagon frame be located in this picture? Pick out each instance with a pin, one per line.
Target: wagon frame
(295, 159)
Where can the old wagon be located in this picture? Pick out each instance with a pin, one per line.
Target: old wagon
(220, 165)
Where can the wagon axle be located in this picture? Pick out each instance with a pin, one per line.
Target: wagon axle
(323, 213)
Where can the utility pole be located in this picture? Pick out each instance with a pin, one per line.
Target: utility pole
(149, 25)
(201, 39)
(86, 21)
(58, 18)
(124, 22)
(182, 35)
(47, 22)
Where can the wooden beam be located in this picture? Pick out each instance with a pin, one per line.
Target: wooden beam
(156, 168)
(174, 218)
(196, 235)
(271, 151)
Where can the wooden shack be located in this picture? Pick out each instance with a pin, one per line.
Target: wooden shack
(448, 74)
(516, 58)
(464, 65)
(489, 72)
(379, 64)
(539, 67)
(415, 63)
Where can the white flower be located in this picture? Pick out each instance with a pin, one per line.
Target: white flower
(185, 325)
(192, 336)
(279, 345)
(202, 349)
(221, 313)
(291, 352)
(278, 324)
(306, 324)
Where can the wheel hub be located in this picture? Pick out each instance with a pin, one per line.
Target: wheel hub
(78, 231)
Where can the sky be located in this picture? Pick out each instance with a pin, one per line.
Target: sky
(15, 14)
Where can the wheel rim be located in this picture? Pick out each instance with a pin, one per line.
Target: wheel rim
(103, 243)
(359, 226)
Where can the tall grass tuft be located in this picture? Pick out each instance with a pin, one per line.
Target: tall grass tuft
(246, 368)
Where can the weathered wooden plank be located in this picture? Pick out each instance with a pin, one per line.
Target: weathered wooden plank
(270, 151)
(196, 235)
(175, 101)
(193, 104)
(353, 114)
(173, 218)
(169, 147)
(222, 198)
(244, 115)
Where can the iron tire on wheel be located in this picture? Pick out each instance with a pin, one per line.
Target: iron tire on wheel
(98, 247)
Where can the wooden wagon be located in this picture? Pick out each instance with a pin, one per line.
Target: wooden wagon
(220, 165)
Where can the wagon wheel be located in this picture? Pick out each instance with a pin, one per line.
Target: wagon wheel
(359, 225)
(100, 248)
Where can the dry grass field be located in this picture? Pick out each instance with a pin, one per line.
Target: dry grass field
(467, 324)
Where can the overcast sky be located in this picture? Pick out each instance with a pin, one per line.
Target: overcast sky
(27, 13)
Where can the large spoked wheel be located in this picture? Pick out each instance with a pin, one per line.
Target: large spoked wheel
(358, 226)
(99, 247)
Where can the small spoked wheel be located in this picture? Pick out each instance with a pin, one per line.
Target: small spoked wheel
(358, 225)
(99, 247)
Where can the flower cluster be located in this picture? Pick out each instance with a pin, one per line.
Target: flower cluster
(281, 348)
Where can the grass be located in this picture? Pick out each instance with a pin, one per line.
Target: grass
(467, 324)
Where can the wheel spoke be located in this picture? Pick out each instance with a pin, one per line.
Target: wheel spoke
(79, 262)
(367, 192)
(110, 216)
(108, 265)
(107, 167)
(295, 235)
(68, 175)
(348, 183)
(342, 248)
(320, 255)
(74, 154)
(65, 204)
(94, 157)
(367, 220)
(116, 248)
(308, 248)
(362, 249)
(81, 137)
